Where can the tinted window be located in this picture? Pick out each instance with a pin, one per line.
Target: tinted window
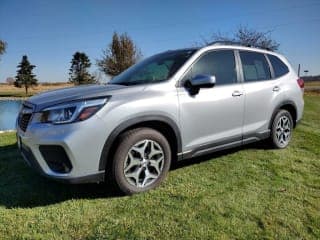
(221, 64)
(279, 67)
(255, 66)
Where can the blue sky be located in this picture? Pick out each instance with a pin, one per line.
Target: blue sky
(49, 32)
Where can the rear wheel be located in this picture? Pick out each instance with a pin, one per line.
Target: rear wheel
(141, 161)
(281, 130)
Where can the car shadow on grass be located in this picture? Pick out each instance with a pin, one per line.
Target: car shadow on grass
(22, 187)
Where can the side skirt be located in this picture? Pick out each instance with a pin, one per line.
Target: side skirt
(223, 145)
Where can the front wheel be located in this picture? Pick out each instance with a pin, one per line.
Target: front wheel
(281, 130)
(141, 161)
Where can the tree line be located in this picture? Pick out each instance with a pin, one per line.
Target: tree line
(122, 52)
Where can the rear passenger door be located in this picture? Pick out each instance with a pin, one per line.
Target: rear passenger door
(261, 93)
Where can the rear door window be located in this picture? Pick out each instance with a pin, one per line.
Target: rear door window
(255, 66)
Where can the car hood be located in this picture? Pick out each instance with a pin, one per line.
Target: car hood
(50, 98)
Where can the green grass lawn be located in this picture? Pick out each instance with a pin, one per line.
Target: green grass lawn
(247, 193)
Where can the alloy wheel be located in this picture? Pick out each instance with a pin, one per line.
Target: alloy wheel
(144, 163)
(283, 130)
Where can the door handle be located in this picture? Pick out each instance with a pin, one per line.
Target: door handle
(276, 89)
(237, 94)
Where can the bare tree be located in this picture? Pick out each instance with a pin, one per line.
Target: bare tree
(248, 37)
(10, 80)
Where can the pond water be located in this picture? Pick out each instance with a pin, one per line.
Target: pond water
(9, 110)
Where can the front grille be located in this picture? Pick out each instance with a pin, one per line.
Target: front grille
(25, 116)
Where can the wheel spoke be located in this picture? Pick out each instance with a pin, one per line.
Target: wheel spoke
(287, 125)
(287, 133)
(148, 176)
(141, 147)
(135, 175)
(278, 125)
(133, 162)
(156, 164)
(153, 151)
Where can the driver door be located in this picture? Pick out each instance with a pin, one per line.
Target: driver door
(214, 116)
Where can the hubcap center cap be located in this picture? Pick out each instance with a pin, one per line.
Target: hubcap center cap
(144, 162)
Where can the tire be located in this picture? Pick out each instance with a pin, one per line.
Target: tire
(281, 129)
(141, 161)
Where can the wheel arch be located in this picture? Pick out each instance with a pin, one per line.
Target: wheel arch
(163, 124)
(290, 106)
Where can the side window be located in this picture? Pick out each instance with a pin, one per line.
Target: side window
(255, 66)
(221, 64)
(279, 67)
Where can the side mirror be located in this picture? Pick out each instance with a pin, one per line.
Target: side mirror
(200, 81)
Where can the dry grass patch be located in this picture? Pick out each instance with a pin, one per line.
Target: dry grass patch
(12, 91)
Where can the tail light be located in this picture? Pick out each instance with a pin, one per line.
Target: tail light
(300, 83)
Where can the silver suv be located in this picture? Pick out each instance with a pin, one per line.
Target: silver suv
(172, 106)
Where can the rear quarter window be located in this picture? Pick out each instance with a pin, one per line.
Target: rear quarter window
(279, 67)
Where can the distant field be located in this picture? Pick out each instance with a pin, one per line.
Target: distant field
(312, 87)
(312, 84)
(11, 91)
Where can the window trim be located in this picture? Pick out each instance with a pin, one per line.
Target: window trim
(180, 82)
(267, 60)
(239, 64)
(270, 67)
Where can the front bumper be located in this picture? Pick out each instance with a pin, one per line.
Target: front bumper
(82, 142)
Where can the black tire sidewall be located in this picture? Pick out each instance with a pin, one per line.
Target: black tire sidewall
(127, 140)
(274, 139)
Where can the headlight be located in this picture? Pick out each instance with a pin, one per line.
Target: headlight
(71, 112)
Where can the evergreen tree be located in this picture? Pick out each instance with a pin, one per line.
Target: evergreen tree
(79, 70)
(3, 46)
(25, 77)
(120, 55)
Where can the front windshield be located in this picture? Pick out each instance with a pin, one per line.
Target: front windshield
(157, 68)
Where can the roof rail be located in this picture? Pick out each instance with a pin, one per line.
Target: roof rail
(217, 43)
(222, 42)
